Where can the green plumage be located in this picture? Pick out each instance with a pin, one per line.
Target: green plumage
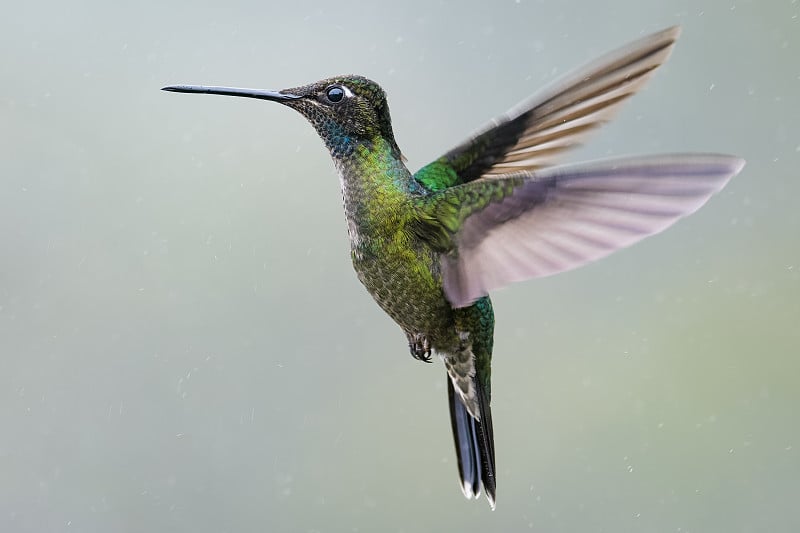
(430, 246)
(400, 271)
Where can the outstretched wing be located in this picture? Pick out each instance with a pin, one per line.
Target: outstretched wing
(494, 232)
(533, 134)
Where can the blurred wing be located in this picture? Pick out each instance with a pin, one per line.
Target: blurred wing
(533, 134)
(564, 217)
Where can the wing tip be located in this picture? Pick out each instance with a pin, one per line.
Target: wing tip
(723, 166)
(669, 33)
(737, 164)
(733, 165)
(663, 38)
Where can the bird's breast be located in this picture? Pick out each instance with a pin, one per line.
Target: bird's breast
(404, 278)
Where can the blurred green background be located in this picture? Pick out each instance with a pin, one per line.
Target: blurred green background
(183, 343)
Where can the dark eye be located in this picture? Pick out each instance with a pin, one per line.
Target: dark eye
(335, 94)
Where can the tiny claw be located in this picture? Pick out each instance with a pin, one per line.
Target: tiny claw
(420, 348)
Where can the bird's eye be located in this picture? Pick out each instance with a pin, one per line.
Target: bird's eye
(335, 94)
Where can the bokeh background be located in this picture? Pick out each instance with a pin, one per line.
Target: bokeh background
(183, 343)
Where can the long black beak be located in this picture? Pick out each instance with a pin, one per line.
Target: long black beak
(232, 91)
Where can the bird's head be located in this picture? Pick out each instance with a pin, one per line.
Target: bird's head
(345, 110)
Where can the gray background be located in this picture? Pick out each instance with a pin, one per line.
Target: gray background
(183, 343)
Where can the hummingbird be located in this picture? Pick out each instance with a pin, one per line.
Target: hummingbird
(430, 246)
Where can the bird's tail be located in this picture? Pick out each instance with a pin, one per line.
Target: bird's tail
(474, 441)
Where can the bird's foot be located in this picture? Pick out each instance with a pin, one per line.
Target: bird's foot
(420, 347)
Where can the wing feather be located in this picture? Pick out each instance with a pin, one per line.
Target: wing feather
(535, 133)
(564, 217)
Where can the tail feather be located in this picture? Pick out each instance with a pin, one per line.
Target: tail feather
(474, 441)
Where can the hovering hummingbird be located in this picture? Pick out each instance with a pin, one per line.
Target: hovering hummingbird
(430, 246)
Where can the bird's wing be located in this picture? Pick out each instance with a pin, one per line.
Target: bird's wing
(493, 232)
(536, 132)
